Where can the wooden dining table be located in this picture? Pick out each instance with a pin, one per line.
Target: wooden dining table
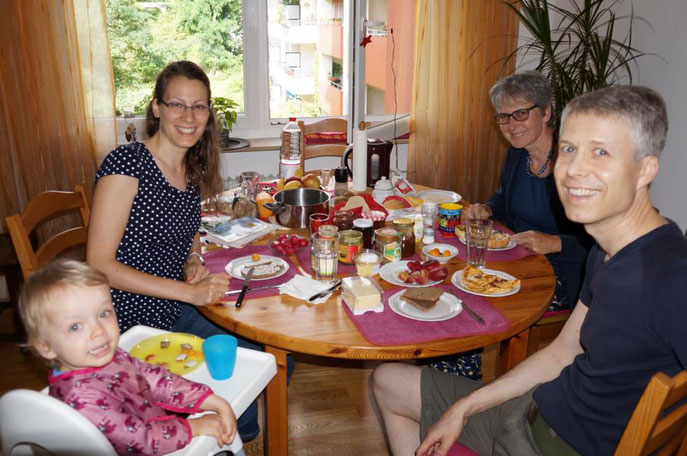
(285, 324)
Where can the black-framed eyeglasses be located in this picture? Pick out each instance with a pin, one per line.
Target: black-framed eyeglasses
(199, 109)
(520, 115)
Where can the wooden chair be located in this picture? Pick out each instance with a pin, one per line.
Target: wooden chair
(331, 125)
(43, 207)
(545, 330)
(652, 428)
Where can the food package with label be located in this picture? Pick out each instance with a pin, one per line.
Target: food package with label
(362, 294)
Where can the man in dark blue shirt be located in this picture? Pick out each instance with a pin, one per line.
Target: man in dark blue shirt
(576, 395)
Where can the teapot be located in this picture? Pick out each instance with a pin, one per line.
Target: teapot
(378, 160)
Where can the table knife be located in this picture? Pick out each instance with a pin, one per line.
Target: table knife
(246, 282)
(266, 287)
(467, 308)
(325, 292)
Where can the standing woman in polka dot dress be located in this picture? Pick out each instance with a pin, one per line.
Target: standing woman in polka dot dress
(144, 224)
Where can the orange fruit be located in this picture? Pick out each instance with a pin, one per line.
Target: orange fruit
(260, 200)
(434, 252)
(446, 253)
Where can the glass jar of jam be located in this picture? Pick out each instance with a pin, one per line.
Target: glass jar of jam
(387, 242)
(343, 220)
(406, 227)
(365, 227)
(350, 244)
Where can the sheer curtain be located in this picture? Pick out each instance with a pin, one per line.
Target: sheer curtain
(56, 97)
(454, 143)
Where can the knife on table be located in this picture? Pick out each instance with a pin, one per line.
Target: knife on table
(246, 282)
(325, 292)
(266, 287)
(472, 313)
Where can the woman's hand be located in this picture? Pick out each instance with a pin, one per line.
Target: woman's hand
(194, 272)
(476, 211)
(537, 242)
(443, 433)
(209, 290)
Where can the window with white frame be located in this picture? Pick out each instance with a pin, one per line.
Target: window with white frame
(275, 58)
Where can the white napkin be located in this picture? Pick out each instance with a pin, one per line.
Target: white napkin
(302, 287)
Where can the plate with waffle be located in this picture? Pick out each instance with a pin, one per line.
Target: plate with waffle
(497, 241)
(485, 282)
(425, 304)
(266, 267)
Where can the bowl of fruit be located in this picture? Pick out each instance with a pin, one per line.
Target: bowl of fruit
(440, 252)
(287, 244)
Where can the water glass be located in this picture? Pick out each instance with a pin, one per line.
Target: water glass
(324, 256)
(317, 220)
(477, 233)
(220, 355)
(249, 184)
(325, 178)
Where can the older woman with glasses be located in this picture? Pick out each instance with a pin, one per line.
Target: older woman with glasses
(143, 232)
(527, 201)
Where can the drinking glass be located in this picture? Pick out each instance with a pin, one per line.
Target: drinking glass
(317, 220)
(324, 256)
(249, 184)
(325, 178)
(477, 233)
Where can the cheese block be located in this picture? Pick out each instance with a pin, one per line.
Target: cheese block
(361, 294)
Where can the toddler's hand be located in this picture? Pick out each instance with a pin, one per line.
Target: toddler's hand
(214, 425)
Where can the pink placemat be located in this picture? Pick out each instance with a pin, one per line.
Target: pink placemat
(216, 260)
(495, 256)
(389, 328)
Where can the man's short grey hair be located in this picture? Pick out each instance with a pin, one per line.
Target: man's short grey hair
(531, 86)
(641, 108)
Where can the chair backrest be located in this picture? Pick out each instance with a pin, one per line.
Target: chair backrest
(41, 208)
(33, 423)
(650, 426)
(323, 149)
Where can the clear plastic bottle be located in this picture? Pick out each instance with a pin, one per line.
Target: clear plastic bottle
(290, 155)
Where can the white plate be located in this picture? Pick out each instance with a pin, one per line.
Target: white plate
(439, 196)
(442, 247)
(457, 280)
(510, 245)
(447, 307)
(389, 272)
(236, 267)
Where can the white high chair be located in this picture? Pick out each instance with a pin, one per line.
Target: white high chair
(33, 423)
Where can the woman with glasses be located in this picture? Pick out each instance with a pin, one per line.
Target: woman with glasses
(143, 231)
(527, 201)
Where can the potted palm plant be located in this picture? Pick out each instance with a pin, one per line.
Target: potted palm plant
(580, 52)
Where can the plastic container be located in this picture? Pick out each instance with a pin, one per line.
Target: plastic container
(362, 294)
(290, 155)
(367, 263)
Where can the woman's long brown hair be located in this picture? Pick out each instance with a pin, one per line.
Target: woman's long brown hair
(202, 160)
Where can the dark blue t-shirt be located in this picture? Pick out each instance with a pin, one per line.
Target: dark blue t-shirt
(634, 328)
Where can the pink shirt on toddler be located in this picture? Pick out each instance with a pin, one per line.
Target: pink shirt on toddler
(127, 400)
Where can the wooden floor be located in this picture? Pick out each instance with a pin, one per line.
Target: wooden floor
(330, 411)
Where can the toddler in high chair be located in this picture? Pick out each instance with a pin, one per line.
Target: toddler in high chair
(67, 311)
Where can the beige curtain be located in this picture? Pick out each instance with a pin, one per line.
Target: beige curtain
(459, 45)
(56, 97)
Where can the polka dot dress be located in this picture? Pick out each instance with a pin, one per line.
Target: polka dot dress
(158, 235)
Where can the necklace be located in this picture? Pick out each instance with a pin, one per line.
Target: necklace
(543, 167)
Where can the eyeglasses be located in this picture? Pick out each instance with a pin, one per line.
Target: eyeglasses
(520, 115)
(199, 109)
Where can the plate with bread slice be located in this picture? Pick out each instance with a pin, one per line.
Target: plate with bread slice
(425, 304)
(497, 241)
(265, 267)
(485, 282)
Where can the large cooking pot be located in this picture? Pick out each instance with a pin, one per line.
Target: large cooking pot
(293, 207)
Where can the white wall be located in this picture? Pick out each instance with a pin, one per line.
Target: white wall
(668, 39)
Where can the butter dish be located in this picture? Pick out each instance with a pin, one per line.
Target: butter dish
(362, 294)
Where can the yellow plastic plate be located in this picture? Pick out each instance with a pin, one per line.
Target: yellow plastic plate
(151, 351)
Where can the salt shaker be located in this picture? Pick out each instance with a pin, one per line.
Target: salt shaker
(429, 213)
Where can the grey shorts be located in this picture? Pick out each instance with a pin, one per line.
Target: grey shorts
(501, 430)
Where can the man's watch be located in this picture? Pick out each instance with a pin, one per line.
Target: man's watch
(196, 254)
